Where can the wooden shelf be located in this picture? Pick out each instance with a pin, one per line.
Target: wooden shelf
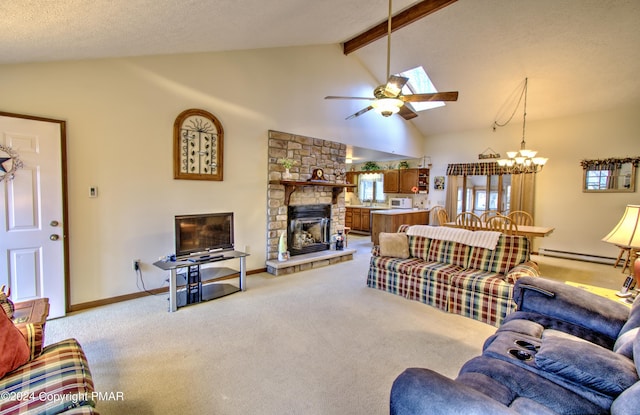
(290, 187)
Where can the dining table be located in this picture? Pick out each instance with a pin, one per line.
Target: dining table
(523, 230)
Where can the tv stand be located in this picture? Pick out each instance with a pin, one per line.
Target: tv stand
(197, 283)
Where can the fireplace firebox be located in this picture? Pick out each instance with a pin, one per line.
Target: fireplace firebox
(308, 228)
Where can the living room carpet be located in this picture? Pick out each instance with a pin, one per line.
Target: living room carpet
(314, 342)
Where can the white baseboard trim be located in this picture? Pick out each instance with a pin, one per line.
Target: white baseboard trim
(577, 256)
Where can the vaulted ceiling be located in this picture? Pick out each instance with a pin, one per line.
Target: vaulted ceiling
(579, 55)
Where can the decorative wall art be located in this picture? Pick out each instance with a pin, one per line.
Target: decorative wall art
(9, 163)
(198, 140)
(438, 183)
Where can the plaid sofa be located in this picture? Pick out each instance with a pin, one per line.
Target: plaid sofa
(56, 379)
(472, 281)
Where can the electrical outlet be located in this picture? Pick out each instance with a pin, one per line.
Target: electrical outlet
(136, 264)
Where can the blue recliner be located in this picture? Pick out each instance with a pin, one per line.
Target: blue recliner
(565, 351)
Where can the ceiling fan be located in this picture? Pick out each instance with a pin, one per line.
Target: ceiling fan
(388, 99)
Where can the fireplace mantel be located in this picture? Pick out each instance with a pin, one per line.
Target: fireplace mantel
(290, 186)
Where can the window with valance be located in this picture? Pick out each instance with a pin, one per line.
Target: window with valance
(481, 187)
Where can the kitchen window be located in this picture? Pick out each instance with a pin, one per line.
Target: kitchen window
(370, 187)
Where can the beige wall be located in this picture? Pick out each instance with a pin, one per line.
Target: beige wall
(120, 115)
(581, 219)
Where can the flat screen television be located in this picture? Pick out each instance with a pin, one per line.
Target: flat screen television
(203, 233)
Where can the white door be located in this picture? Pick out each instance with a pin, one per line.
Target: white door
(32, 236)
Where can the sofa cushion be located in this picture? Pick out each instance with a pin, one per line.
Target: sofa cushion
(624, 343)
(448, 252)
(394, 245)
(419, 246)
(509, 251)
(14, 351)
(388, 263)
(586, 364)
(482, 282)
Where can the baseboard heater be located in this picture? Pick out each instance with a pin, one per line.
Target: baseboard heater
(577, 256)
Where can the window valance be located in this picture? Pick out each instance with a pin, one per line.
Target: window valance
(609, 164)
(475, 169)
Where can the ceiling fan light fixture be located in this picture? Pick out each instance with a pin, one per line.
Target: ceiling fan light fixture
(387, 106)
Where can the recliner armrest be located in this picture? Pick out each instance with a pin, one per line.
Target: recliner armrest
(570, 304)
(423, 391)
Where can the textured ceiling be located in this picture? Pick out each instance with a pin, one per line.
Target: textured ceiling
(579, 55)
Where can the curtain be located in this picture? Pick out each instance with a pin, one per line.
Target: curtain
(370, 187)
(451, 201)
(522, 192)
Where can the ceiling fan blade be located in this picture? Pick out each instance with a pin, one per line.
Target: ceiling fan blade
(394, 86)
(407, 113)
(359, 113)
(335, 97)
(436, 96)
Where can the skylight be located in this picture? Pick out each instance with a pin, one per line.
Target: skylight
(419, 83)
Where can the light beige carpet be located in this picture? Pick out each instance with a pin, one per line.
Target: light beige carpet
(315, 342)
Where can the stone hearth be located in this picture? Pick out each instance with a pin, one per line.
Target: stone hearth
(309, 261)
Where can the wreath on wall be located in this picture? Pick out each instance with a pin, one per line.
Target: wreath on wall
(9, 163)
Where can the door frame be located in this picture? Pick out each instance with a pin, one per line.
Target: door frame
(65, 216)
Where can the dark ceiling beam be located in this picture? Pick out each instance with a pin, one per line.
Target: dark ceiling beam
(402, 19)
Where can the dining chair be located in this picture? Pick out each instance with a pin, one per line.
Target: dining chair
(441, 215)
(484, 217)
(520, 217)
(468, 220)
(502, 224)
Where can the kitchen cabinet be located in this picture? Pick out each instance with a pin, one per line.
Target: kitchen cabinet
(403, 180)
(359, 218)
(391, 182)
(408, 179)
(414, 177)
(390, 220)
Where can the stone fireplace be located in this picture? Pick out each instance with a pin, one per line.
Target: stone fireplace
(308, 229)
(311, 246)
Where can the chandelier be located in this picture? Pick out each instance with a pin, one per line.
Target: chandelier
(523, 160)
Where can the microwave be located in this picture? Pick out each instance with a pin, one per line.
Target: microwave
(401, 203)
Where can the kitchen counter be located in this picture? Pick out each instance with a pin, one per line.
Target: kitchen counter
(389, 220)
(398, 211)
(367, 207)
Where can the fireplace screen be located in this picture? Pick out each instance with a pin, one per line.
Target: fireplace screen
(309, 228)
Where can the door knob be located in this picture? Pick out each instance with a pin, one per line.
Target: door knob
(54, 223)
(54, 237)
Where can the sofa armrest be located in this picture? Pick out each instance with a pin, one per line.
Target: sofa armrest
(570, 304)
(423, 391)
(526, 269)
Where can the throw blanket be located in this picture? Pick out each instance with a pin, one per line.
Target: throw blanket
(482, 239)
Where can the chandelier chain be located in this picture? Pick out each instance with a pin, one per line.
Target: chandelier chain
(522, 93)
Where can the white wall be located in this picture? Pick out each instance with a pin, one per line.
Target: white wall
(581, 219)
(120, 115)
